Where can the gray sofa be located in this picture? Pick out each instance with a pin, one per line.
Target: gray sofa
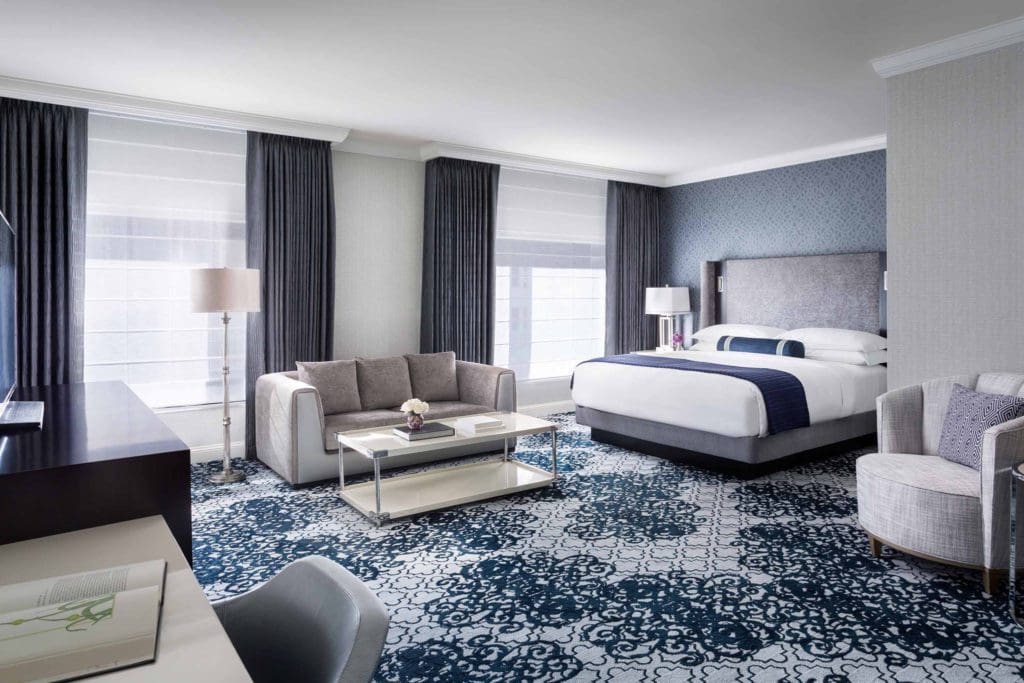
(296, 420)
(914, 501)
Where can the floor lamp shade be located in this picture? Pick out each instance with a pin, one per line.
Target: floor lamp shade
(217, 290)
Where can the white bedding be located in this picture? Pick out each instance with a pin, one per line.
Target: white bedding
(720, 404)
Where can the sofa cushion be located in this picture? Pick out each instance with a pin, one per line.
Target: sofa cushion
(969, 414)
(921, 503)
(364, 419)
(440, 410)
(336, 381)
(383, 382)
(433, 376)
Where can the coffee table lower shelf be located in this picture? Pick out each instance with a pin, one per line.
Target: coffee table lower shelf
(412, 494)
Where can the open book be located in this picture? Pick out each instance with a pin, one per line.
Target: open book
(80, 624)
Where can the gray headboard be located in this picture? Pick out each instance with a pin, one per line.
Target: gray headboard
(829, 290)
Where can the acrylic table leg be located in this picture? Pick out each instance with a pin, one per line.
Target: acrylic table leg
(554, 454)
(506, 449)
(376, 487)
(1012, 583)
(341, 468)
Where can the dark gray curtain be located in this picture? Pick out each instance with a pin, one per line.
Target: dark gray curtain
(42, 194)
(290, 233)
(631, 244)
(460, 214)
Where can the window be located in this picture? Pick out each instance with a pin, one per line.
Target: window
(163, 198)
(550, 272)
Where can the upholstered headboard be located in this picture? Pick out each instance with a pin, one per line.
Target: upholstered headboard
(828, 290)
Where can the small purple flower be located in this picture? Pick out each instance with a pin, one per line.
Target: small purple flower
(677, 338)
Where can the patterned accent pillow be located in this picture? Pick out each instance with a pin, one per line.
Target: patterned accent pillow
(772, 347)
(970, 413)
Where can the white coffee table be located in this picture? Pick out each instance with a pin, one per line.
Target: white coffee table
(411, 494)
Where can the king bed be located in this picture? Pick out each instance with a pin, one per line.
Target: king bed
(749, 409)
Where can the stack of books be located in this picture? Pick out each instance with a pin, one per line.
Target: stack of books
(80, 624)
(430, 430)
(473, 425)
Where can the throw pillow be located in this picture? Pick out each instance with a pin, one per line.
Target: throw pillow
(336, 381)
(772, 347)
(970, 413)
(383, 382)
(433, 376)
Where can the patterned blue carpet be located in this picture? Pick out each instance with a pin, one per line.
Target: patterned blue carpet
(631, 569)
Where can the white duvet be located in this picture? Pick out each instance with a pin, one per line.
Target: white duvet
(720, 404)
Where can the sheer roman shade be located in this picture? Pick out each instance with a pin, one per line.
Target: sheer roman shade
(550, 272)
(163, 198)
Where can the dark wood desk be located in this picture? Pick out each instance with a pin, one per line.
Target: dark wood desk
(101, 457)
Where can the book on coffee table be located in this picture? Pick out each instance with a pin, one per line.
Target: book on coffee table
(478, 424)
(80, 624)
(430, 430)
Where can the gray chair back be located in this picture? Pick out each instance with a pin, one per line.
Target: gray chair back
(314, 621)
(936, 399)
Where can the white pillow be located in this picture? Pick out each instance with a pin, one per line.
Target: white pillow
(713, 333)
(703, 346)
(850, 357)
(835, 339)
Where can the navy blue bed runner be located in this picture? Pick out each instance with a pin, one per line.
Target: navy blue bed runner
(785, 401)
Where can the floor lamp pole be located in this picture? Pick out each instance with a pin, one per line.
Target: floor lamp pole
(226, 475)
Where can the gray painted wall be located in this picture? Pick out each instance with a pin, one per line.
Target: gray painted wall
(379, 204)
(956, 217)
(831, 206)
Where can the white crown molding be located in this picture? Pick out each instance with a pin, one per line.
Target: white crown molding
(380, 148)
(956, 47)
(128, 105)
(802, 156)
(432, 150)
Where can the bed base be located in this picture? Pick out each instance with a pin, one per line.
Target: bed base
(744, 457)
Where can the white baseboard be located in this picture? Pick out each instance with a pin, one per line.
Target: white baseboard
(542, 409)
(216, 452)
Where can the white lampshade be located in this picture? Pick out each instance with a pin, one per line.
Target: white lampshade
(667, 300)
(216, 290)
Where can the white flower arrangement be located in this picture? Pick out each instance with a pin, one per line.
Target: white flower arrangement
(415, 406)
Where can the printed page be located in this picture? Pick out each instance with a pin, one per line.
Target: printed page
(80, 636)
(61, 589)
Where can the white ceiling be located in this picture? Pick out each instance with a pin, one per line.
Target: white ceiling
(655, 86)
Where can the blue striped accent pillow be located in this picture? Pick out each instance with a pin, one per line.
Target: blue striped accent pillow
(772, 347)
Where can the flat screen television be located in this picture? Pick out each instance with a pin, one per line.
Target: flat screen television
(8, 303)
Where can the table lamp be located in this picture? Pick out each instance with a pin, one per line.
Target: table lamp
(225, 290)
(667, 303)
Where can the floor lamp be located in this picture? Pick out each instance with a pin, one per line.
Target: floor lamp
(226, 290)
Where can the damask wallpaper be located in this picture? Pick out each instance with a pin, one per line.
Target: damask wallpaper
(831, 206)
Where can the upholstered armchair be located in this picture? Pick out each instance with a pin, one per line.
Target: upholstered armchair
(916, 502)
(315, 622)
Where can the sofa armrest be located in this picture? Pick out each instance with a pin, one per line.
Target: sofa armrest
(900, 419)
(289, 419)
(1002, 448)
(486, 385)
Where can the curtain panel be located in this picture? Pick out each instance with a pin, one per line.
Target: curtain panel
(459, 227)
(290, 234)
(42, 193)
(631, 248)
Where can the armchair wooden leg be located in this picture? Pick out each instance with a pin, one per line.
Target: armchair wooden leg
(875, 545)
(990, 580)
